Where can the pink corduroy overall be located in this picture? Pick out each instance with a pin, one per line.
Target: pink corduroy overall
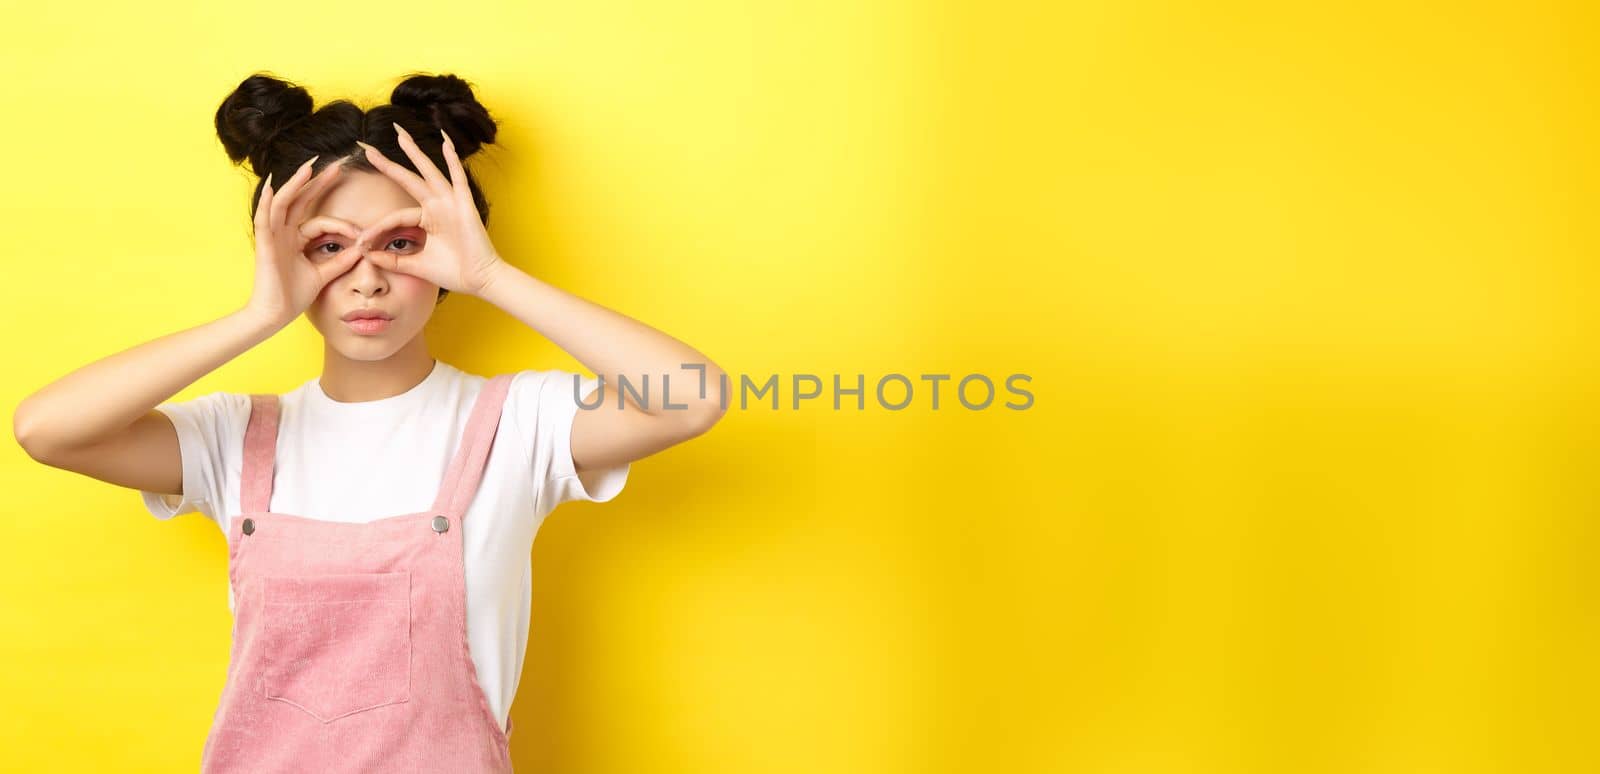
(350, 639)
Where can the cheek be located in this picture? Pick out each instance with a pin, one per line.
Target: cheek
(412, 291)
(320, 303)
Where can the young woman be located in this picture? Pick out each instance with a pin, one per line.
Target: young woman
(379, 519)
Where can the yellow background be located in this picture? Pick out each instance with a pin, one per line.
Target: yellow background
(1305, 293)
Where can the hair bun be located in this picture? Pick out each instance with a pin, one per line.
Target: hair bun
(447, 102)
(255, 112)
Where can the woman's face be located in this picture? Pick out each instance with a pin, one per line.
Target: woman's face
(362, 198)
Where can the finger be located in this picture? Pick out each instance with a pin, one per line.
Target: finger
(327, 224)
(424, 164)
(263, 203)
(385, 260)
(416, 186)
(410, 216)
(458, 173)
(285, 197)
(314, 191)
(341, 263)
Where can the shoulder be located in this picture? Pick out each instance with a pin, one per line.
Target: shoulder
(219, 409)
(534, 379)
(450, 381)
(534, 396)
(548, 389)
(543, 400)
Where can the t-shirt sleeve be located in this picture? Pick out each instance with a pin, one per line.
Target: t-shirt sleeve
(544, 408)
(211, 443)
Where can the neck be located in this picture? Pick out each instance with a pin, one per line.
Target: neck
(355, 381)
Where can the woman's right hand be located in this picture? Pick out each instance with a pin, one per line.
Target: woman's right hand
(287, 280)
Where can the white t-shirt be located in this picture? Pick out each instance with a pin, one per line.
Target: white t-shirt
(356, 462)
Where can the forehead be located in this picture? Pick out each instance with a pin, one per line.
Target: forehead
(362, 198)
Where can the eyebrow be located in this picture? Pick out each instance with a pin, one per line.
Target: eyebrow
(360, 227)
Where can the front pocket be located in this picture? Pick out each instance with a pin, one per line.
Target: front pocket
(335, 645)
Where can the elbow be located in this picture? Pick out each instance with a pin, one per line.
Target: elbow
(35, 433)
(22, 428)
(25, 431)
(704, 417)
(709, 411)
(694, 417)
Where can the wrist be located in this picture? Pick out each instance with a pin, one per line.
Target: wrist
(492, 278)
(258, 322)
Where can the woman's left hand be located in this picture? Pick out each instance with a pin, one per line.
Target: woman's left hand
(457, 255)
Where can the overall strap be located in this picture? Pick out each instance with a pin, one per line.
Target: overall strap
(260, 451)
(466, 468)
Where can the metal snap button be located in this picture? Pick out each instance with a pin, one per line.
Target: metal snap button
(249, 526)
(440, 524)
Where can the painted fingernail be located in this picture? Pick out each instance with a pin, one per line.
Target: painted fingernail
(314, 159)
(397, 129)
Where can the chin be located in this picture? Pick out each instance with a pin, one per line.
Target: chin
(371, 352)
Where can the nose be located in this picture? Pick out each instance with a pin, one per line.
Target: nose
(366, 278)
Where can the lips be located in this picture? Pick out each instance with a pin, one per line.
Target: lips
(366, 314)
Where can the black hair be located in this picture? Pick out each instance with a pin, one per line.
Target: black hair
(269, 122)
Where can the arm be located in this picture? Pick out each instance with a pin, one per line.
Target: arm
(100, 420)
(612, 344)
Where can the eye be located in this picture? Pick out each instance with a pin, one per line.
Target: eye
(321, 253)
(402, 239)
